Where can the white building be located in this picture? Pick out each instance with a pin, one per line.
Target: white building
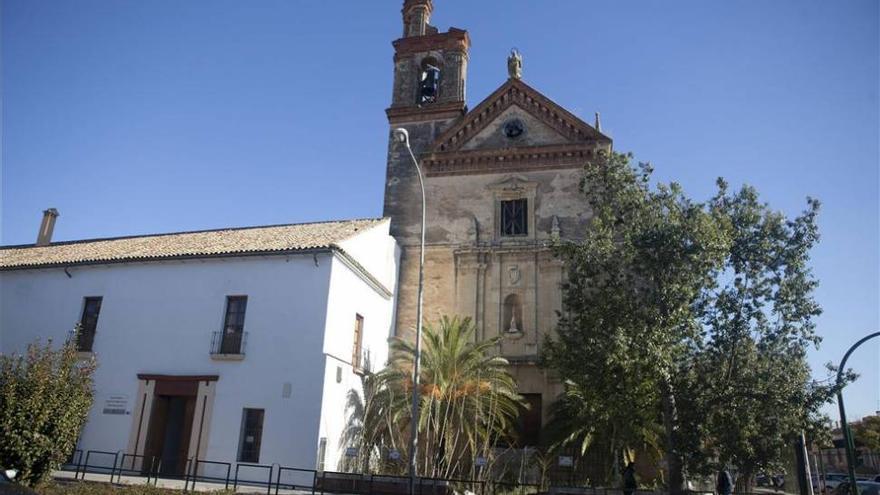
(236, 345)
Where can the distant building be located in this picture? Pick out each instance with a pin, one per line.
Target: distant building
(236, 345)
(502, 180)
(834, 459)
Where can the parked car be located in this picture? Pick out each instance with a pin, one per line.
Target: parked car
(865, 488)
(772, 481)
(831, 481)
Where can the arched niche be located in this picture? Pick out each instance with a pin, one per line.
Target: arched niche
(511, 318)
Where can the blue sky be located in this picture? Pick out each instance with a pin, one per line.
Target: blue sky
(139, 117)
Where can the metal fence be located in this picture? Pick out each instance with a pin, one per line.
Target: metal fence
(275, 478)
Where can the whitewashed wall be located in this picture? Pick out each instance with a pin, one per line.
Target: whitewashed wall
(158, 318)
(346, 300)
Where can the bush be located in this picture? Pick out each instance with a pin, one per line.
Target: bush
(45, 396)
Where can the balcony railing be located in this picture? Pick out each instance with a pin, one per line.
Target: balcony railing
(228, 344)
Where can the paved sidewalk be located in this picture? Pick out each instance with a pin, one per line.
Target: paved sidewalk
(200, 486)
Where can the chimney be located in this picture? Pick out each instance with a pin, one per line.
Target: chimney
(46, 228)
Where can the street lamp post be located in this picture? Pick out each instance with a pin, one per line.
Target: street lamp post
(847, 434)
(402, 136)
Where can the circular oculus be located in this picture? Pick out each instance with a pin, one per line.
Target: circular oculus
(514, 128)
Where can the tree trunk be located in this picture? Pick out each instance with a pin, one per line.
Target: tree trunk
(745, 481)
(673, 460)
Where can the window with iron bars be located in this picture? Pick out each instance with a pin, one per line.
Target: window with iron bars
(233, 326)
(514, 217)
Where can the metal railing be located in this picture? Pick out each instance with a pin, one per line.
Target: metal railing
(224, 343)
(277, 478)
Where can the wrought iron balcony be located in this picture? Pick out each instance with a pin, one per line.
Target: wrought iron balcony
(230, 344)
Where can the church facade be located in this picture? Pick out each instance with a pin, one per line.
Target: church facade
(502, 180)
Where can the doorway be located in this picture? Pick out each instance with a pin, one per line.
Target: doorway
(170, 426)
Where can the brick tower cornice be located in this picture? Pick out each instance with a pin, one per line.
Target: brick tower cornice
(453, 40)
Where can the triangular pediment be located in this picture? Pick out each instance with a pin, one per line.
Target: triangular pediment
(514, 127)
(517, 116)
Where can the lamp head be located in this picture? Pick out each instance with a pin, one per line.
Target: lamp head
(401, 136)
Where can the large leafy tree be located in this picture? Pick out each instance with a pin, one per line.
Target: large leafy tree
(748, 386)
(694, 316)
(45, 396)
(628, 306)
(468, 400)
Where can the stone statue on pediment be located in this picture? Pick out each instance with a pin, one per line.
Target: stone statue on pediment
(514, 64)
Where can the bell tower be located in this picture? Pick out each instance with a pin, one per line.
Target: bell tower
(428, 97)
(429, 68)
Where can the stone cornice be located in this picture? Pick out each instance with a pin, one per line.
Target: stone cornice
(508, 159)
(435, 111)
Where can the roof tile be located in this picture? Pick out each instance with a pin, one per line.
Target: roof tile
(247, 240)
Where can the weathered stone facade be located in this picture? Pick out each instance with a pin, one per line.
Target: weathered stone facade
(516, 144)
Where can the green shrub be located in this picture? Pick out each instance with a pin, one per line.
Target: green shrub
(45, 396)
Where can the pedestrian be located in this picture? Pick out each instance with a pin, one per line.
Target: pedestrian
(629, 479)
(724, 485)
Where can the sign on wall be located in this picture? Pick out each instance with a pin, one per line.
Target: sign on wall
(116, 404)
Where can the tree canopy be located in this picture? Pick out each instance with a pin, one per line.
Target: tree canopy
(693, 317)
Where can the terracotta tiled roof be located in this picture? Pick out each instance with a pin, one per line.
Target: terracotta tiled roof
(209, 243)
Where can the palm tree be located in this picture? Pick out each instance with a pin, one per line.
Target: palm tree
(581, 425)
(468, 399)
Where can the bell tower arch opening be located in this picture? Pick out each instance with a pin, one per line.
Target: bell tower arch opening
(429, 81)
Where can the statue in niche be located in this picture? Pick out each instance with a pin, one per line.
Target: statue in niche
(514, 64)
(512, 314)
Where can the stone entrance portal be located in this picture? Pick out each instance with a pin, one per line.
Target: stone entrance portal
(171, 426)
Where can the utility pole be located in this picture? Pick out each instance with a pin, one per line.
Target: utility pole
(844, 426)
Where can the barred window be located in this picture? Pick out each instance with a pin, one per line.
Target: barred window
(251, 435)
(513, 217)
(233, 325)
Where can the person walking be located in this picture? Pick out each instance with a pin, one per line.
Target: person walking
(724, 485)
(629, 479)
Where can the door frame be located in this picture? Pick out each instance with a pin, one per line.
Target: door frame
(204, 385)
